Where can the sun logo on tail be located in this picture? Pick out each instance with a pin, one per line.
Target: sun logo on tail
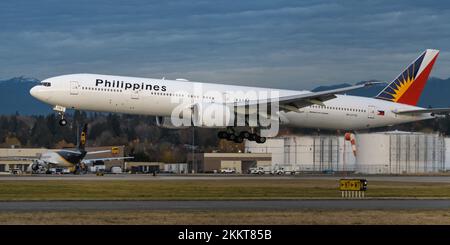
(401, 86)
(408, 86)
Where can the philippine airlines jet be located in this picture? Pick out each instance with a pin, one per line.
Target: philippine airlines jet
(164, 98)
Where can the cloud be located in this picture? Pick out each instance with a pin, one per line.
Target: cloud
(293, 44)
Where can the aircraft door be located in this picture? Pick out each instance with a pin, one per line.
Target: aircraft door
(371, 112)
(135, 94)
(74, 88)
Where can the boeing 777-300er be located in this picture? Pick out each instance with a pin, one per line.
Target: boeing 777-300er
(179, 99)
(72, 159)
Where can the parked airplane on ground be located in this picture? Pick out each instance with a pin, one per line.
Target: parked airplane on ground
(72, 159)
(166, 99)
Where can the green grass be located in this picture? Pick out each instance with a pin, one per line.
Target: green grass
(206, 190)
(313, 217)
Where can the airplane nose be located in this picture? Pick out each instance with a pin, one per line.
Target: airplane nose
(37, 92)
(34, 91)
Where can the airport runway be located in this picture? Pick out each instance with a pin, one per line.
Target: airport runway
(270, 205)
(130, 177)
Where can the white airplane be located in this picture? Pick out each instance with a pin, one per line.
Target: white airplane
(72, 159)
(163, 98)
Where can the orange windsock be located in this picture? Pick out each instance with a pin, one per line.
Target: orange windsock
(351, 137)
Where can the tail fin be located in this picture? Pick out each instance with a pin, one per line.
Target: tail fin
(408, 86)
(82, 140)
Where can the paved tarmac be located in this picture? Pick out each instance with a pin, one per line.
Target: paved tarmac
(271, 205)
(130, 177)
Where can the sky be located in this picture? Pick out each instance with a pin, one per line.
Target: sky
(282, 44)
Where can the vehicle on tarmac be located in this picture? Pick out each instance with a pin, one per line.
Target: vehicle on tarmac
(16, 171)
(286, 170)
(116, 170)
(97, 168)
(278, 171)
(273, 171)
(260, 170)
(58, 171)
(228, 171)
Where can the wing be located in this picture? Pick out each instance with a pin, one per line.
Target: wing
(12, 158)
(105, 159)
(295, 102)
(421, 111)
(97, 152)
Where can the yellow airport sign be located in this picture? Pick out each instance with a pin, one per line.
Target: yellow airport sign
(115, 150)
(353, 184)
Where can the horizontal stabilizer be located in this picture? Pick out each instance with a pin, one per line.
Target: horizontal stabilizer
(421, 111)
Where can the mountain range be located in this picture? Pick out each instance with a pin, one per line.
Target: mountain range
(15, 96)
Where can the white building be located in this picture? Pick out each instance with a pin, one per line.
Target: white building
(376, 153)
(176, 168)
(307, 153)
(399, 152)
(272, 145)
(447, 153)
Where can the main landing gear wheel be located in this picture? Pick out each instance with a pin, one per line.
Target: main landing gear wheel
(238, 139)
(63, 122)
(252, 137)
(260, 140)
(222, 135)
(231, 135)
(244, 134)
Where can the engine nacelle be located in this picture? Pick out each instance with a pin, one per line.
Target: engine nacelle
(38, 166)
(214, 116)
(166, 122)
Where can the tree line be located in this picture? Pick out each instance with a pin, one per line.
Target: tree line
(141, 137)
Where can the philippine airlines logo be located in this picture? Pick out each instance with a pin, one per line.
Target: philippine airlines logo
(227, 109)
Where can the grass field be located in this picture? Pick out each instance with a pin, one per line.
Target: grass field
(230, 189)
(207, 190)
(314, 217)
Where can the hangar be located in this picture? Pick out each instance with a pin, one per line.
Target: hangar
(394, 152)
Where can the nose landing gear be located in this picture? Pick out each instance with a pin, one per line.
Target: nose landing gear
(60, 110)
(62, 122)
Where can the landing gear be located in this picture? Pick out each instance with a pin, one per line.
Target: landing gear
(260, 140)
(80, 168)
(60, 110)
(63, 122)
(39, 167)
(222, 135)
(231, 135)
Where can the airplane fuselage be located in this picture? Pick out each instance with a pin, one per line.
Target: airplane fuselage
(62, 158)
(159, 97)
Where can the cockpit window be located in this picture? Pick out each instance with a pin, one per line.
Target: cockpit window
(46, 84)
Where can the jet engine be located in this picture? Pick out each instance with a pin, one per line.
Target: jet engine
(213, 116)
(166, 122)
(39, 166)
